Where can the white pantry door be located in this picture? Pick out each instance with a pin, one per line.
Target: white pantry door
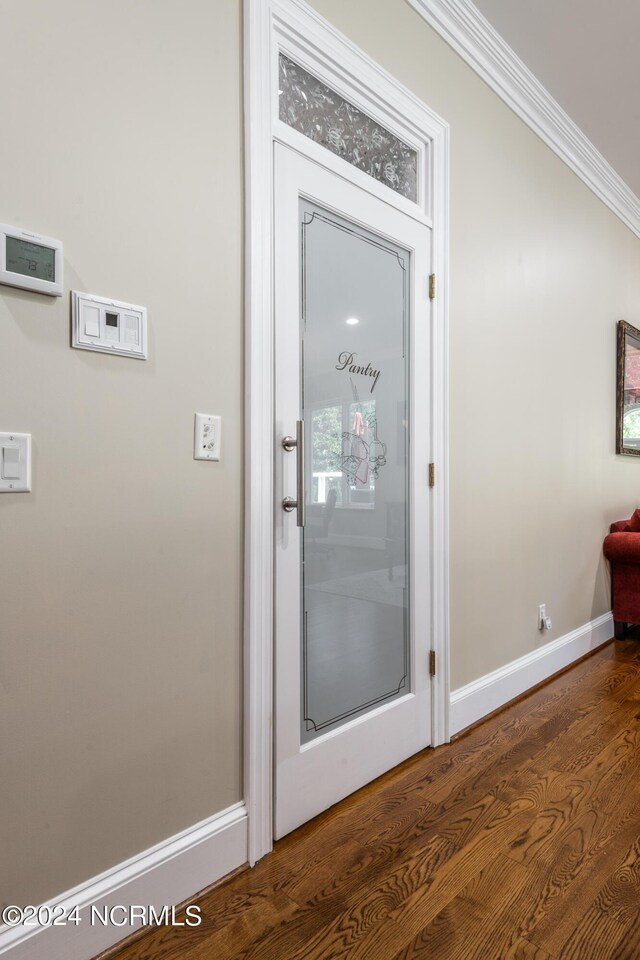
(352, 604)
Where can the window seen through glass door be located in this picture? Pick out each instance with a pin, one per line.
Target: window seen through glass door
(346, 453)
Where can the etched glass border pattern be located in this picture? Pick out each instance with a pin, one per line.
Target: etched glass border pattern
(315, 110)
(311, 212)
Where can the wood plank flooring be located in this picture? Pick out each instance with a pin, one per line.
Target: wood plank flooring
(520, 841)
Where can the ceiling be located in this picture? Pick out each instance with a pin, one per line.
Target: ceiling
(585, 53)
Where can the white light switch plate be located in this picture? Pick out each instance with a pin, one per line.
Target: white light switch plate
(108, 326)
(207, 437)
(15, 462)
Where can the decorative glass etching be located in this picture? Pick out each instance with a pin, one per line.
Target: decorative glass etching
(355, 296)
(321, 114)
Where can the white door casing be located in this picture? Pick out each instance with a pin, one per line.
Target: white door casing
(296, 29)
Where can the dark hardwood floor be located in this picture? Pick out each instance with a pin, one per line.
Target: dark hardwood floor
(519, 841)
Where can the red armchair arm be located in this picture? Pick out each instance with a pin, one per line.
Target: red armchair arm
(622, 547)
(620, 526)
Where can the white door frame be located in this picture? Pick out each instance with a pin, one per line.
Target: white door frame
(295, 28)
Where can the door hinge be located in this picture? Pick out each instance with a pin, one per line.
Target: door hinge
(432, 663)
(432, 474)
(432, 286)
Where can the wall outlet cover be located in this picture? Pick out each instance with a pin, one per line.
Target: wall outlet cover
(207, 436)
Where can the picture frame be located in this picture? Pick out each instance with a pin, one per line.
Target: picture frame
(628, 390)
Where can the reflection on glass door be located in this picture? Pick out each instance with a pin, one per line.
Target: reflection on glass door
(355, 544)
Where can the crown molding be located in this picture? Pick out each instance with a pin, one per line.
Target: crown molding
(464, 28)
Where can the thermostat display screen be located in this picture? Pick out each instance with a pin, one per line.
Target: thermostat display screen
(31, 259)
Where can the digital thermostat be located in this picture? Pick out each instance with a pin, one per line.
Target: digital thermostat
(30, 261)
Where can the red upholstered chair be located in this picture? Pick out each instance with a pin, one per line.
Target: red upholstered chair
(622, 549)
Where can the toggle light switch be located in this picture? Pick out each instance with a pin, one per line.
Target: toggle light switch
(15, 462)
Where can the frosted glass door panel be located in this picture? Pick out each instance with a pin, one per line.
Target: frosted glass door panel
(355, 543)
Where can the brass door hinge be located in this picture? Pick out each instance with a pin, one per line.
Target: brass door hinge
(432, 474)
(432, 663)
(432, 286)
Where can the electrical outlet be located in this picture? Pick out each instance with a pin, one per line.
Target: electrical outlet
(544, 622)
(207, 437)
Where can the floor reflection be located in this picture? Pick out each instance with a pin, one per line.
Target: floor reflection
(355, 649)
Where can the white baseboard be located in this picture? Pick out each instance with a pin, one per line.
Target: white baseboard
(481, 697)
(168, 873)
(186, 863)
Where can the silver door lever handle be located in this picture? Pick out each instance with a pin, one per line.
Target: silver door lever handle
(289, 444)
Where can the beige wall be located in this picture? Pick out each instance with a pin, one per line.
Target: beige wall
(120, 582)
(540, 273)
(120, 585)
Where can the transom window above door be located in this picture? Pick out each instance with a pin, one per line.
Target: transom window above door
(320, 113)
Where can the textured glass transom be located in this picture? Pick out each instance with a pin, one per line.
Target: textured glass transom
(317, 111)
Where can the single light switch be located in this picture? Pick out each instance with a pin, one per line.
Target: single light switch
(207, 437)
(15, 462)
(10, 463)
(92, 321)
(132, 329)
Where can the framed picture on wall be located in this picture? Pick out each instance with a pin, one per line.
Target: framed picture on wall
(628, 390)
